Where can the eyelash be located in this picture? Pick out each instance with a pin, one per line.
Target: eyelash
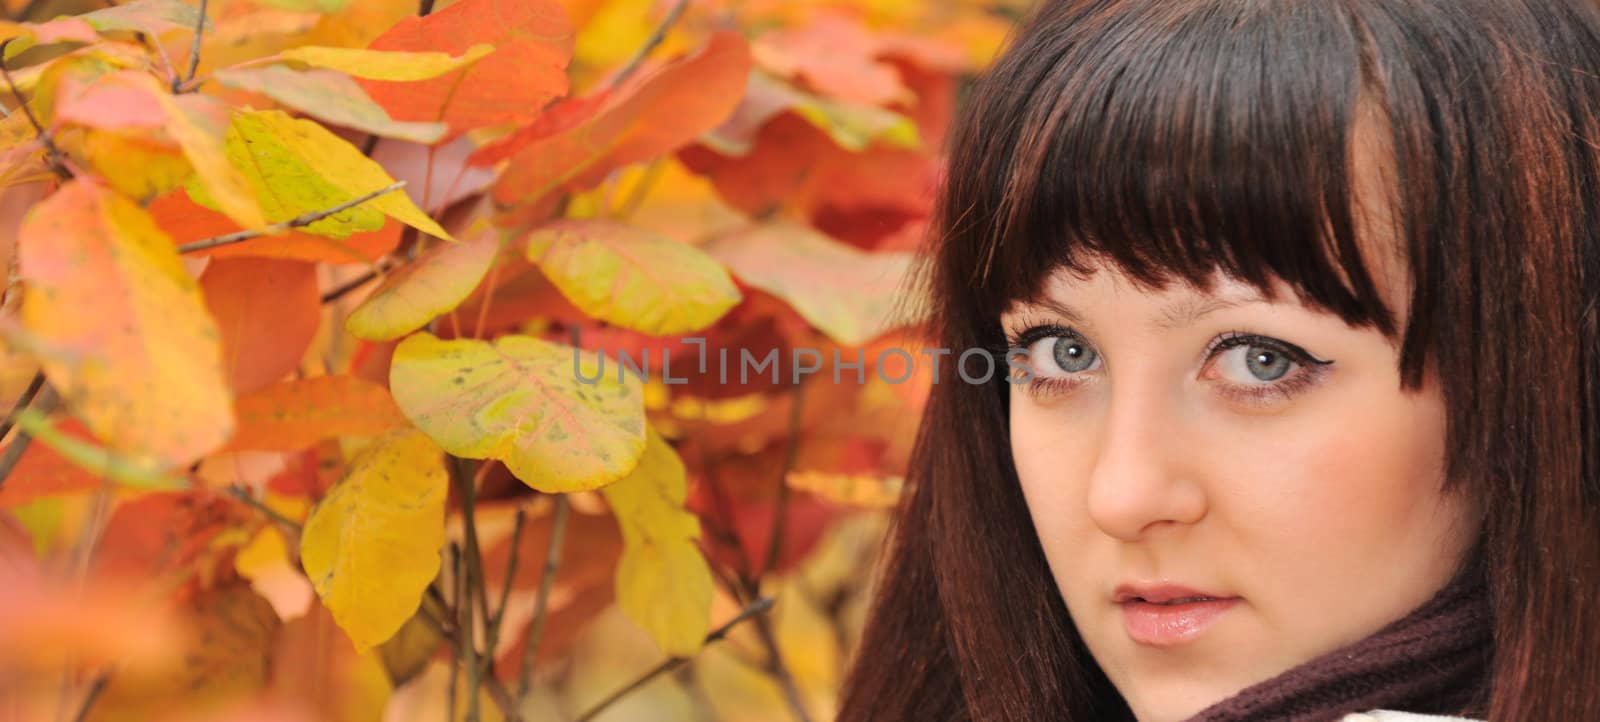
(1309, 372)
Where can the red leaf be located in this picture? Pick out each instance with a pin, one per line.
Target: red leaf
(532, 41)
(187, 221)
(268, 311)
(648, 116)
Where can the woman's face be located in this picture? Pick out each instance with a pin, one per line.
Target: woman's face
(1182, 443)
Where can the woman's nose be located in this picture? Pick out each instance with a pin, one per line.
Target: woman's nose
(1142, 478)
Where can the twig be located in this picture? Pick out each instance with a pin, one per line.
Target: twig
(26, 398)
(96, 686)
(780, 510)
(194, 50)
(27, 10)
(50, 149)
(44, 402)
(345, 288)
(304, 219)
(779, 671)
(473, 584)
(759, 606)
(552, 559)
(425, 9)
(238, 492)
(462, 640)
(650, 43)
(511, 573)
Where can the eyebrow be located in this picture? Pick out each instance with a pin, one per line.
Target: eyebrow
(1176, 315)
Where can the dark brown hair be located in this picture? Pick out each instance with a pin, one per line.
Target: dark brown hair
(1175, 138)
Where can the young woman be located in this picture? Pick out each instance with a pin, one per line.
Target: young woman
(1303, 413)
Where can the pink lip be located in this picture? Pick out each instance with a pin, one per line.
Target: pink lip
(1151, 622)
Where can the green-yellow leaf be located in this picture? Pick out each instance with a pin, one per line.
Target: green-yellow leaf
(847, 293)
(132, 349)
(520, 400)
(663, 582)
(393, 65)
(298, 166)
(330, 96)
(435, 283)
(632, 277)
(371, 546)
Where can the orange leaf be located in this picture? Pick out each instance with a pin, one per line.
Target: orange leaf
(295, 414)
(837, 57)
(532, 41)
(648, 116)
(267, 310)
(187, 221)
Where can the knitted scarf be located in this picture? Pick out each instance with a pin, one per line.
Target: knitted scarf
(1435, 660)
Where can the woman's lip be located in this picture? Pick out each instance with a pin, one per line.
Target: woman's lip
(1165, 625)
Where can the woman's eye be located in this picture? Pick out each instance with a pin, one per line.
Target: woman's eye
(1254, 364)
(1067, 353)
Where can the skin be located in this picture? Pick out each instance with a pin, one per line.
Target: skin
(1320, 508)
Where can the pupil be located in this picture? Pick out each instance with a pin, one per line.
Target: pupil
(1266, 364)
(1073, 357)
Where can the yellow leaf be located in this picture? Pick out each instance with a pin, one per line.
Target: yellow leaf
(371, 546)
(330, 96)
(632, 277)
(134, 166)
(663, 582)
(520, 400)
(298, 166)
(847, 293)
(433, 284)
(386, 64)
(139, 360)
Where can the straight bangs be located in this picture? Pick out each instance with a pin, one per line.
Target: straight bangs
(1169, 140)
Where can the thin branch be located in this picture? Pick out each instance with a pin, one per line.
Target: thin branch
(552, 559)
(463, 643)
(650, 43)
(34, 384)
(472, 566)
(304, 219)
(50, 150)
(194, 50)
(371, 275)
(779, 671)
(27, 10)
(780, 511)
(242, 494)
(44, 402)
(511, 573)
(96, 686)
(759, 606)
(425, 9)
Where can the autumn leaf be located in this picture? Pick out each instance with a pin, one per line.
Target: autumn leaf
(330, 96)
(532, 42)
(93, 459)
(835, 55)
(149, 16)
(433, 284)
(632, 277)
(845, 292)
(105, 284)
(297, 166)
(268, 310)
(371, 546)
(652, 114)
(130, 99)
(292, 415)
(392, 65)
(852, 126)
(519, 400)
(663, 582)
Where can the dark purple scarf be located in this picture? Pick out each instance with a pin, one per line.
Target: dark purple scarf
(1435, 660)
